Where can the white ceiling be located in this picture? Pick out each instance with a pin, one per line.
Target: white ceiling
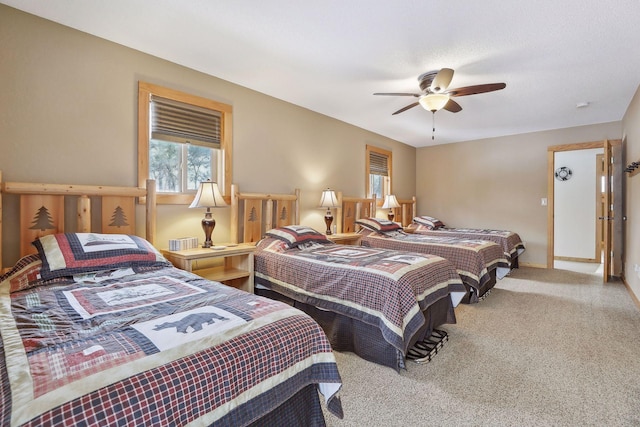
(331, 56)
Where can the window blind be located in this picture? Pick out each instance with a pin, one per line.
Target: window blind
(177, 121)
(378, 164)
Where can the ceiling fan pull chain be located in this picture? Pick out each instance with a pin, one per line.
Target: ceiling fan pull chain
(433, 125)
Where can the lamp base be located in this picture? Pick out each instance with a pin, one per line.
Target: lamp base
(391, 215)
(328, 219)
(208, 224)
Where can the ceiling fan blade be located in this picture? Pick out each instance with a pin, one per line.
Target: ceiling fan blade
(406, 108)
(442, 80)
(472, 90)
(399, 94)
(452, 106)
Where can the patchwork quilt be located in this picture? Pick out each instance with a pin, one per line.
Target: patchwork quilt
(384, 288)
(473, 258)
(511, 243)
(159, 347)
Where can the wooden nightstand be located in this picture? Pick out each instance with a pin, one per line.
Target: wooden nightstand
(232, 265)
(346, 238)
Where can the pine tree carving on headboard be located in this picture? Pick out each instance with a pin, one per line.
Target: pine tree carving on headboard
(118, 215)
(42, 215)
(42, 220)
(253, 217)
(252, 221)
(119, 218)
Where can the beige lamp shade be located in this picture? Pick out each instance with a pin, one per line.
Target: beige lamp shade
(208, 196)
(328, 200)
(390, 202)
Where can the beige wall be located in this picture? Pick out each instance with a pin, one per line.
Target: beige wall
(497, 182)
(631, 141)
(68, 115)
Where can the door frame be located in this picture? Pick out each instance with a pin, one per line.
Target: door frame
(600, 203)
(551, 150)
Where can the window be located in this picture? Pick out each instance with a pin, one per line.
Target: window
(182, 140)
(378, 170)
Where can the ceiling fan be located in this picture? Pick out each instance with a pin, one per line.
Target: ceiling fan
(435, 94)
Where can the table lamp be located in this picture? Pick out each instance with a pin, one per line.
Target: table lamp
(390, 202)
(208, 196)
(329, 201)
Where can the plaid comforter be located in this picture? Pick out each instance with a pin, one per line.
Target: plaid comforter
(473, 259)
(161, 347)
(511, 243)
(382, 288)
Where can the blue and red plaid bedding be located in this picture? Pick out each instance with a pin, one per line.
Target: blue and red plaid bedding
(160, 347)
(511, 243)
(383, 288)
(473, 259)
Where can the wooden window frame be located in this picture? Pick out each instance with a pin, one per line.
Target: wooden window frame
(145, 91)
(382, 152)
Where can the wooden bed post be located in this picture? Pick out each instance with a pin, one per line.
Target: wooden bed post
(84, 214)
(413, 209)
(233, 226)
(339, 212)
(1, 197)
(358, 212)
(150, 212)
(268, 214)
(296, 208)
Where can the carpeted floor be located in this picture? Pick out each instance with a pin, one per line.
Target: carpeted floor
(546, 348)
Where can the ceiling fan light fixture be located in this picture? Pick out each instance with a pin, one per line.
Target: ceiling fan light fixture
(434, 101)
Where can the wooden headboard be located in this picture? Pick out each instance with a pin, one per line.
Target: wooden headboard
(406, 212)
(252, 214)
(352, 209)
(41, 210)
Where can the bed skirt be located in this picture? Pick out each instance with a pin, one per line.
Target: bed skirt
(514, 262)
(352, 335)
(302, 409)
(474, 295)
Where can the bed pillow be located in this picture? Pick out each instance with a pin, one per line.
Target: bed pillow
(297, 235)
(26, 275)
(379, 225)
(72, 253)
(272, 245)
(417, 228)
(429, 222)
